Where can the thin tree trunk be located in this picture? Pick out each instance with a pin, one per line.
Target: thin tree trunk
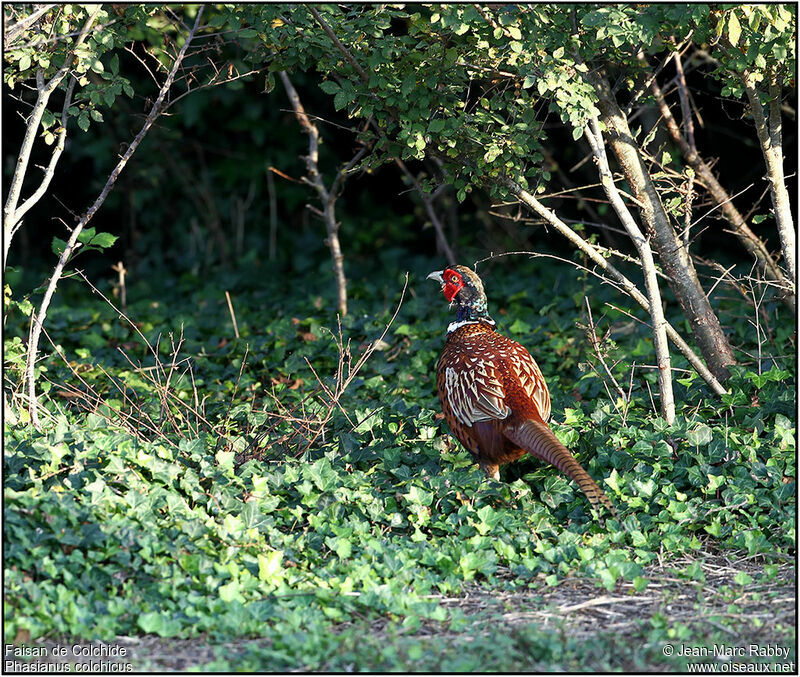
(38, 323)
(674, 256)
(326, 197)
(642, 245)
(751, 242)
(770, 137)
(12, 214)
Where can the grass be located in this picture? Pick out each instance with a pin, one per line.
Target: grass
(193, 489)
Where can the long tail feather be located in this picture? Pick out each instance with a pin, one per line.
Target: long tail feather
(537, 439)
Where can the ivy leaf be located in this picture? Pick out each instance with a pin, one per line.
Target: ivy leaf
(701, 435)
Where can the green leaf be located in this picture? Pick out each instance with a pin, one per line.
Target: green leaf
(701, 435)
(270, 566)
(103, 240)
(340, 100)
(329, 86)
(24, 62)
(48, 119)
(58, 246)
(743, 578)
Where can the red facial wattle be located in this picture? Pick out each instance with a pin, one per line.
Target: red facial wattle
(452, 284)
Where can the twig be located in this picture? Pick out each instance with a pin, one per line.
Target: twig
(751, 242)
(233, 315)
(36, 329)
(343, 381)
(273, 216)
(624, 283)
(599, 354)
(427, 201)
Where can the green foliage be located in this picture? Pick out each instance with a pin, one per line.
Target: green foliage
(155, 528)
(469, 85)
(44, 47)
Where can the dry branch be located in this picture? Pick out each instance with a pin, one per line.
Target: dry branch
(326, 197)
(38, 323)
(750, 241)
(642, 244)
(625, 284)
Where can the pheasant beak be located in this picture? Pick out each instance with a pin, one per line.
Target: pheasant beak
(436, 275)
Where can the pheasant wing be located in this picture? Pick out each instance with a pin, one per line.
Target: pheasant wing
(475, 391)
(529, 377)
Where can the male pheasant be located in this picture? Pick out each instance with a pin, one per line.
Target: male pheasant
(493, 394)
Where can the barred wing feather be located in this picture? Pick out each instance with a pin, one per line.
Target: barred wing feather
(530, 379)
(475, 393)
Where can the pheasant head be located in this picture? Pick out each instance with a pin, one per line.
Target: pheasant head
(463, 288)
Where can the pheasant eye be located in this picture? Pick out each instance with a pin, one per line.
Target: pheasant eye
(454, 278)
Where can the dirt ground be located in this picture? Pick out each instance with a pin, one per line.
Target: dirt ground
(576, 606)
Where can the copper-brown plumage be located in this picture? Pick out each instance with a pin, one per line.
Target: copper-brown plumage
(493, 394)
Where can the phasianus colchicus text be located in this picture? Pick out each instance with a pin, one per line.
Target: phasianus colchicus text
(493, 394)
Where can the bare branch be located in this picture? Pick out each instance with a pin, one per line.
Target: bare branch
(625, 284)
(326, 197)
(57, 150)
(45, 89)
(38, 323)
(11, 33)
(427, 201)
(751, 242)
(642, 245)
